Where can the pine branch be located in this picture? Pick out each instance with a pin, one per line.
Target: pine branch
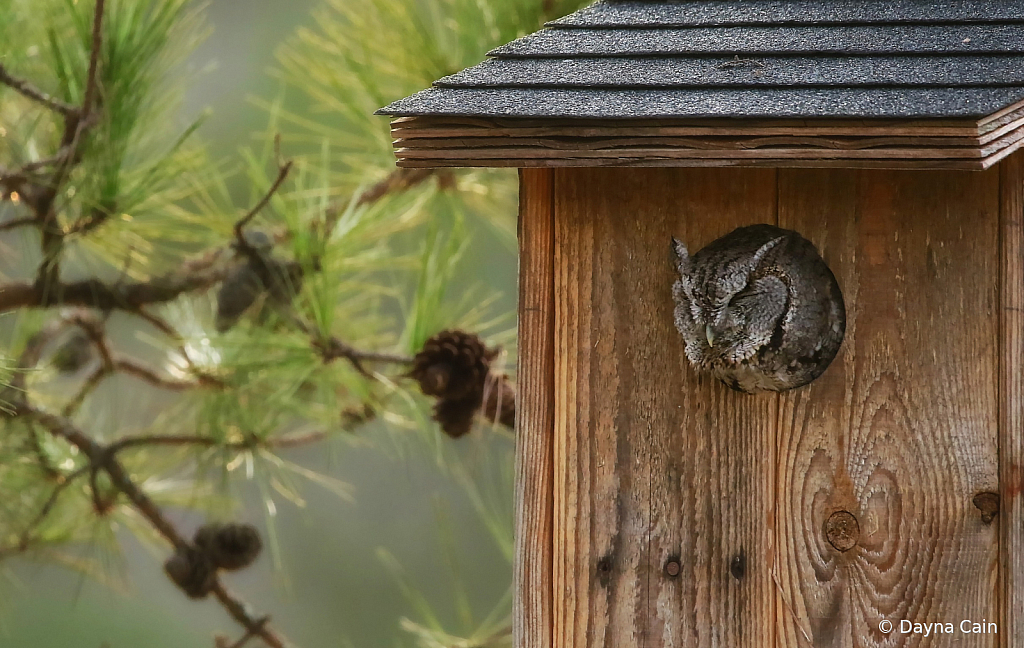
(112, 363)
(75, 125)
(94, 59)
(94, 293)
(101, 458)
(27, 90)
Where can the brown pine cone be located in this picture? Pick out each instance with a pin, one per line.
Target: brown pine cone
(229, 546)
(500, 401)
(453, 365)
(456, 416)
(192, 571)
(73, 354)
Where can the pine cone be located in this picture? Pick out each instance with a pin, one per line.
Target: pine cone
(453, 365)
(456, 416)
(73, 354)
(500, 401)
(283, 280)
(192, 571)
(229, 546)
(239, 290)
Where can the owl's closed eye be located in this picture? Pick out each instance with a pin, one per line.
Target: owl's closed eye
(758, 308)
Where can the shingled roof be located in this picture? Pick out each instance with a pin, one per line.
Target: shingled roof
(941, 82)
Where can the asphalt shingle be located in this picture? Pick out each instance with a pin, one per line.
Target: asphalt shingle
(750, 58)
(707, 103)
(693, 13)
(734, 71)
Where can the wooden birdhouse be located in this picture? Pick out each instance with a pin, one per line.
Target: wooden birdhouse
(655, 505)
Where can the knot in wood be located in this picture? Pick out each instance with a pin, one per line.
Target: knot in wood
(988, 504)
(842, 530)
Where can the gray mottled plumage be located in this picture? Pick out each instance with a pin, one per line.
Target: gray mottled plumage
(759, 309)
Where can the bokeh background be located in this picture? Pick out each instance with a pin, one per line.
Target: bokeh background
(410, 544)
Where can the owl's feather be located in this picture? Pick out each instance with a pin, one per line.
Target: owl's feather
(758, 308)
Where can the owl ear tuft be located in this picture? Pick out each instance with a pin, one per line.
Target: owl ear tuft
(683, 263)
(763, 250)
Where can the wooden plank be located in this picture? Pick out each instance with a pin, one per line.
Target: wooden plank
(966, 165)
(999, 127)
(996, 117)
(654, 465)
(534, 499)
(740, 146)
(1011, 402)
(525, 153)
(701, 143)
(637, 130)
(438, 129)
(1004, 153)
(901, 431)
(450, 126)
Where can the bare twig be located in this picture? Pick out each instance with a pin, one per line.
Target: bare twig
(112, 363)
(99, 504)
(88, 386)
(16, 223)
(96, 217)
(132, 368)
(222, 642)
(398, 180)
(250, 442)
(333, 348)
(30, 357)
(282, 174)
(94, 58)
(27, 90)
(93, 328)
(26, 534)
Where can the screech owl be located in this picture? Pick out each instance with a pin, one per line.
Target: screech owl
(759, 309)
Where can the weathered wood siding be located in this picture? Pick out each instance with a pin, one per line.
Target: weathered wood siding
(685, 514)
(1011, 398)
(535, 412)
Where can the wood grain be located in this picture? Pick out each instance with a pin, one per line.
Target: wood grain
(666, 510)
(487, 140)
(1011, 401)
(653, 464)
(773, 163)
(932, 144)
(450, 126)
(902, 430)
(534, 497)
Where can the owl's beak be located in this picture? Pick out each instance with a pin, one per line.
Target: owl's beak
(710, 335)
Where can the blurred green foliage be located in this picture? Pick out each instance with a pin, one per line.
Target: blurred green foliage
(386, 276)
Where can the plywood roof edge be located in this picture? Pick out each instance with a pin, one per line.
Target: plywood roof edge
(724, 126)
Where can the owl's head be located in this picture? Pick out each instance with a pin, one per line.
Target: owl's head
(727, 306)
